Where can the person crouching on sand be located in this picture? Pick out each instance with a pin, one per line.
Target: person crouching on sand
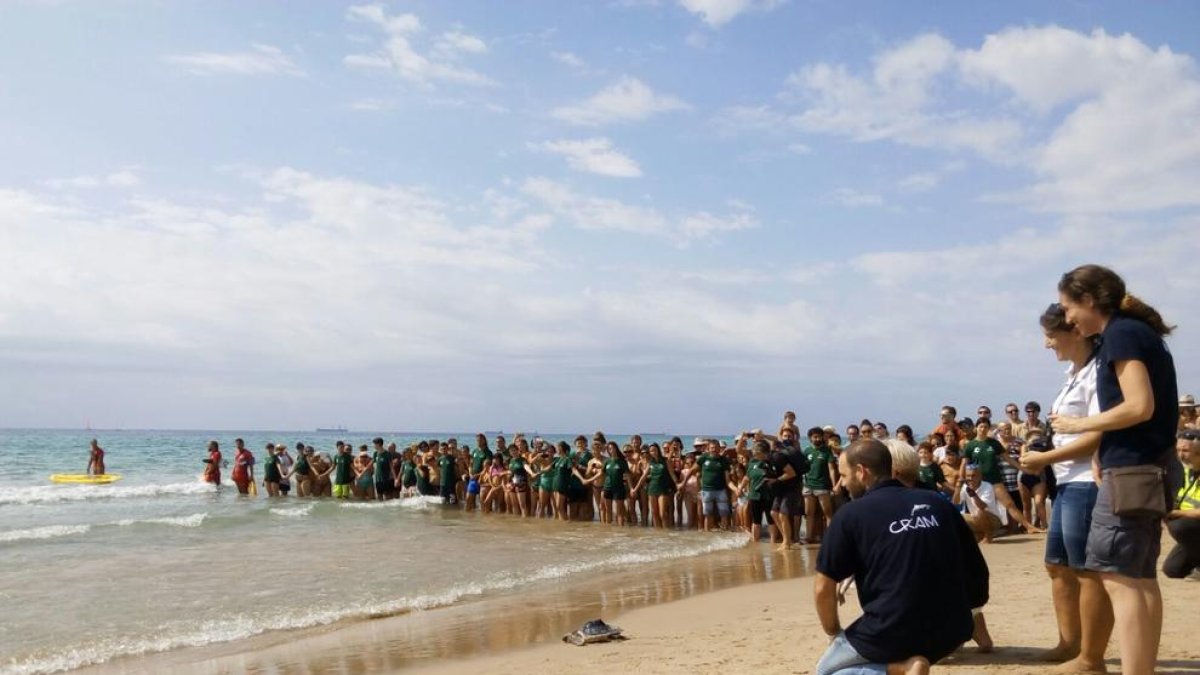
(892, 539)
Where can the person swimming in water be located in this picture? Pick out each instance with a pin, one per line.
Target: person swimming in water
(96, 460)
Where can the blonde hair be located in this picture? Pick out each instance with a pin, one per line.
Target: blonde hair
(904, 461)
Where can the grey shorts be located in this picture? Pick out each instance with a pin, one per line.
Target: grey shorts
(1118, 545)
(816, 492)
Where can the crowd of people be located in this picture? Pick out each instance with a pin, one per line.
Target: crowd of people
(1096, 475)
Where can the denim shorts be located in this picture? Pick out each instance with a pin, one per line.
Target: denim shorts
(1119, 544)
(843, 659)
(1070, 521)
(715, 502)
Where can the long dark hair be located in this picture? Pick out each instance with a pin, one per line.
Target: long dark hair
(1107, 290)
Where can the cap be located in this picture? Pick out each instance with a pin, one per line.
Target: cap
(699, 442)
(1187, 401)
(829, 429)
(1190, 434)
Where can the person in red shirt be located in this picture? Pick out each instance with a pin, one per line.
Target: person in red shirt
(243, 467)
(212, 469)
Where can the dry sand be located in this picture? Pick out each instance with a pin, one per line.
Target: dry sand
(771, 627)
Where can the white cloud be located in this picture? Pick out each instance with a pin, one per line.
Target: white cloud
(260, 60)
(399, 55)
(594, 155)
(744, 118)
(799, 149)
(922, 181)
(717, 13)
(896, 103)
(598, 213)
(125, 178)
(627, 100)
(854, 199)
(569, 59)
(1121, 116)
(454, 42)
(1129, 142)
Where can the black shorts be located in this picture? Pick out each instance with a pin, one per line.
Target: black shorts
(1031, 480)
(384, 487)
(285, 486)
(446, 491)
(789, 503)
(761, 507)
(613, 495)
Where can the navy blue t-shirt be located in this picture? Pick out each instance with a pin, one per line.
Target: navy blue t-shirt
(918, 569)
(1128, 339)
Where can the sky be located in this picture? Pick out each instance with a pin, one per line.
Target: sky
(645, 216)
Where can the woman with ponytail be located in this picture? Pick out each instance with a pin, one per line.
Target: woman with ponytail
(1137, 394)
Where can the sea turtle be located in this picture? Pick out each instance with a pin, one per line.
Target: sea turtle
(593, 631)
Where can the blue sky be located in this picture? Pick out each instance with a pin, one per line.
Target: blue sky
(633, 215)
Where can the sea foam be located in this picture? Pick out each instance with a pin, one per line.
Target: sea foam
(54, 494)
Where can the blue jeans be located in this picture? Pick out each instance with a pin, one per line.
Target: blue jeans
(715, 502)
(843, 659)
(1070, 520)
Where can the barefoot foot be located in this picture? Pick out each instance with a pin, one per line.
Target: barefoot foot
(1057, 654)
(917, 665)
(1079, 665)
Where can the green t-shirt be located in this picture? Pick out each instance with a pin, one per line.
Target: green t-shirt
(408, 472)
(757, 471)
(614, 474)
(301, 468)
(560, 473)
(658, 482)
(479, 457)
(712, 472)
(383, 466)
(517, 466)
(817, 477)
(343, 468)
(271, 469)
(986, 455)
(931, 474)
(447, 471)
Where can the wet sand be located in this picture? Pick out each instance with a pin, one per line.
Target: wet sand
(457, 635)
(771, 628)
(747, 611)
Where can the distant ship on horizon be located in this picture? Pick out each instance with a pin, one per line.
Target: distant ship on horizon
(338, 429)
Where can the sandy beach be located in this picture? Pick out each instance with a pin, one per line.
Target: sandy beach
(771, 628)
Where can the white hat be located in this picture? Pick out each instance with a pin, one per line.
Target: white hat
(699, 442)
(1187, 401)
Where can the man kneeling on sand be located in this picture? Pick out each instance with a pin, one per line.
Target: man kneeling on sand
(915, 562)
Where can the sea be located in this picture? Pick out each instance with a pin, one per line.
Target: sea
(161, 562)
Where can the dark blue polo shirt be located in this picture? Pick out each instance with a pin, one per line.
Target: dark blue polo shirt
(918, 570)
(1128, 339)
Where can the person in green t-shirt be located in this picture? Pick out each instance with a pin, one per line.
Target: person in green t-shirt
(481, 456)
(614, 475)
(343, 472)
(408, 473)
(659, 479)
(447, 475)
(560, 473)
(272, 475)
(929, 472)
(818, 485)
(756, 486)
(714, 486)
(985, 454)
(381, 462)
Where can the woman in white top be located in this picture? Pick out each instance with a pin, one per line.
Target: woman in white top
(1085, 618)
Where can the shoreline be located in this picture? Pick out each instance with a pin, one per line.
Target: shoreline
(422, 640)
(707, 615)
(771, 628)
